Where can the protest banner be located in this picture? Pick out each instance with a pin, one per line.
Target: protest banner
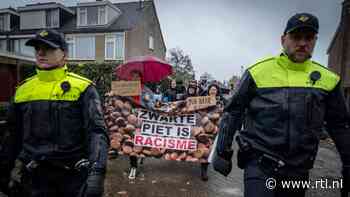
(179, 135)
(126, 88)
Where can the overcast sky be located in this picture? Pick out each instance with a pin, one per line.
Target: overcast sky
(223, 35)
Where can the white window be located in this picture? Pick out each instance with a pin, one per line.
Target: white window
(81, 47)
(102, 17)
(26, 50)
(114, 44)
(110, 49)
(52, 18)
(19, 47)
(82, 16)
(71, 46)
(92, 16)
(119, 46)
(151, 43)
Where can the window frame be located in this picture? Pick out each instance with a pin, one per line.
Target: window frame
(51, 15)
(75, 47)
(113, 38)
(84, 11)
(110, 38)
(99, 15)
(72, 41)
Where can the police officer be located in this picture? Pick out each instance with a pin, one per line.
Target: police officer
(65, 143)
(287, 100)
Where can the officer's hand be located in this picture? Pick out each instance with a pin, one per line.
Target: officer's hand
(95, 184)
(346, 179)
(14, 185)
(222, 163)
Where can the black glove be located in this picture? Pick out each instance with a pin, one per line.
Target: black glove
(95, 184)
(14, 185)
(222, 163)
(346, 179)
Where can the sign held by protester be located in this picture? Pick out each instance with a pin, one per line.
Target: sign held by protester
(126, 88)
(201, 102)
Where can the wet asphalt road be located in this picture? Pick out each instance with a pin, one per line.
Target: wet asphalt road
(159, 178)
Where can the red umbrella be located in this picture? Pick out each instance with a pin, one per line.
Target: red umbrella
(152, 69)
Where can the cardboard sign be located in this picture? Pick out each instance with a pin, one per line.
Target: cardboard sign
(187, 119)
(201, 102)
(126, 88)
(164, 142)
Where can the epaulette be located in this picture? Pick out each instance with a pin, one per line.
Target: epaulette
(261, 61)
(318, 64)
(25, 80)
(80, 77)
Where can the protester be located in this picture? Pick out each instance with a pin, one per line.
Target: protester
(170, 94)
(287, 100)
(192, 89)
(137, 76)
(214, 90)
(157, 97)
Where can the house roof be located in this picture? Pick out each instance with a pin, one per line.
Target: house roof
(131, 15)
(9, 10)
(43, 6)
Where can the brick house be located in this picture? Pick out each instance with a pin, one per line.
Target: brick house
(339, 50)
(98, 31)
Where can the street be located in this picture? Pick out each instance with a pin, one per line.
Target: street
(159, 178)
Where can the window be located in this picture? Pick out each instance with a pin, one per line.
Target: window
(151, 43)
(52, 18)
(2, 23)
(19, 47)
(110, 43)
(26, 50)
(3, 45)
(102, 15)
(119, 48)
(114, 47)
(92, 16)
(82, 16)
(71, 46)
(81, 47)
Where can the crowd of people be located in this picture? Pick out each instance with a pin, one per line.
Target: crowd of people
(175, 92)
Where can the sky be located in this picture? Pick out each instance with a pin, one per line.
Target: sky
(222, 36)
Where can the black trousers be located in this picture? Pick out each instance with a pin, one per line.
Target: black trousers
(48, 181)
(260, 181)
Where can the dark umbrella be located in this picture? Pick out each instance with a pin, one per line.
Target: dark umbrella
(152, 69)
